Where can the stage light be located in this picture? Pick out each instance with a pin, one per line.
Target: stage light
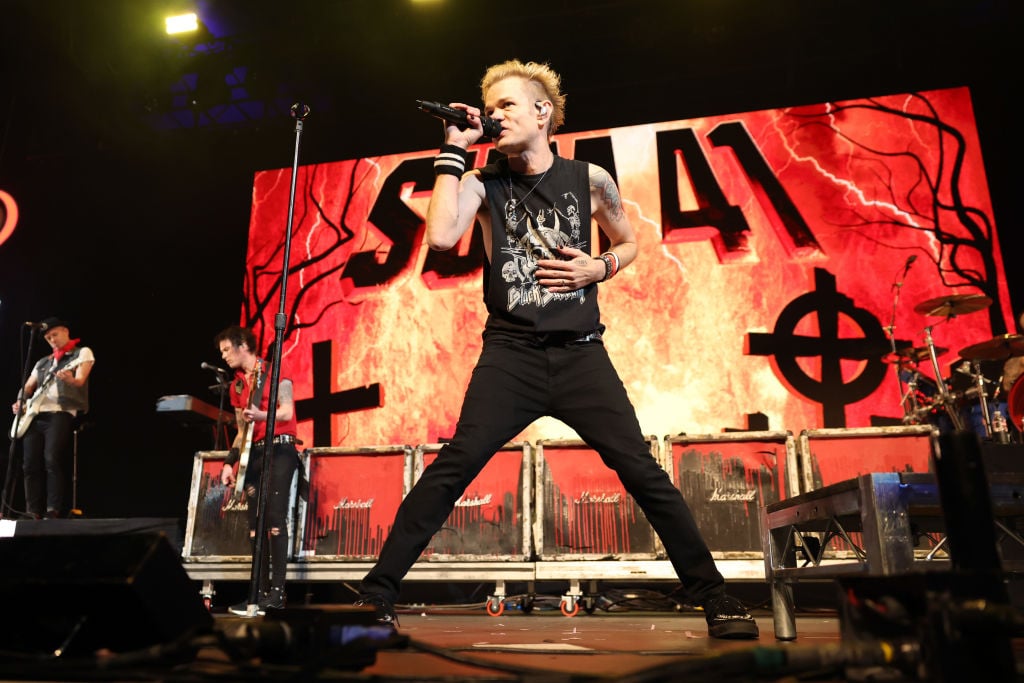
(182, 23)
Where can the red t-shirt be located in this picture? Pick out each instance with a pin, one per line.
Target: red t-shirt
(241, 393)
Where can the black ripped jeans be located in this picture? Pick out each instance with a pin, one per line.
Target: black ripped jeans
(284, 462)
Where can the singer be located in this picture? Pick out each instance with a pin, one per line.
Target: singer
(55, 395)
(542, 352)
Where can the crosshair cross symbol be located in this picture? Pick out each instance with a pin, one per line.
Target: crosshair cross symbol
(830, 390)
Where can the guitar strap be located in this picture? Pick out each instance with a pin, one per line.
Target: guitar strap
(49, 369)
(54, 365)
(256, 395)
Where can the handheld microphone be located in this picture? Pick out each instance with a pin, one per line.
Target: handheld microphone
(206, 366)
(492, 128)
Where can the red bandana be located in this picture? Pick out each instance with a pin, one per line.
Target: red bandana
(59, 353)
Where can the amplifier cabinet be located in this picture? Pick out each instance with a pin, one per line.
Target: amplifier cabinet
(216, 531)
(354, 494)
(491, 520)
(726, 478)
(582, 511)
(829, 456)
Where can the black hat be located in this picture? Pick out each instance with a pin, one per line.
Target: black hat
(51, 322)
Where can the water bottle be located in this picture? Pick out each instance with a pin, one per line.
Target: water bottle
(1000, 434)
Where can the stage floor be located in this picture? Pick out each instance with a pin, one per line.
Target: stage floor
(453, 645)
(461, 645)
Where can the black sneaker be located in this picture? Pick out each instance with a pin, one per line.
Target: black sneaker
(728, 618)
(242, 608)
(385, 610)
(272, 599)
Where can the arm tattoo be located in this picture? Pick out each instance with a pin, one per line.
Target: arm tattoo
(609, 193)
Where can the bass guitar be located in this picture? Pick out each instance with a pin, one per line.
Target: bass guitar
(30, 408)
(238, 494)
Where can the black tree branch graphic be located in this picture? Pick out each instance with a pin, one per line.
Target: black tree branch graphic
(263, 280)
(933, 201)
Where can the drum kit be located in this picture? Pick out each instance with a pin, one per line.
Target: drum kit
(969, 392)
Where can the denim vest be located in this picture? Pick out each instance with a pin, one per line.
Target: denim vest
(70, 397)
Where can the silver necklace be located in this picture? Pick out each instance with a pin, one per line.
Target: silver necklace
(513, 202)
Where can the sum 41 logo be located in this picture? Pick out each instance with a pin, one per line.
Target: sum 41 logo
(8, 215)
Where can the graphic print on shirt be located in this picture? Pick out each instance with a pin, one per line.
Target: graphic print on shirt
(534, 236)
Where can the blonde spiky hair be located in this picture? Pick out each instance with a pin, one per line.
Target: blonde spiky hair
(541, 74)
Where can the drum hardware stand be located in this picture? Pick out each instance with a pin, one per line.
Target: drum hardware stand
(908, 400)
(913, 411)
(945, 397)
(979, 382)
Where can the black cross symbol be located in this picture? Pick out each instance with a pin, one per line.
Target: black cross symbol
(326, 403)
(831, 390)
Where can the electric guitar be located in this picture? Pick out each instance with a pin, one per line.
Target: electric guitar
(237, 495)
(30, 407)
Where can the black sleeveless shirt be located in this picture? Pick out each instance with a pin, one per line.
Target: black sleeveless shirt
(531, 215)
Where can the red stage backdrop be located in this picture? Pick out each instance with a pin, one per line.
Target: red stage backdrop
(770, 242)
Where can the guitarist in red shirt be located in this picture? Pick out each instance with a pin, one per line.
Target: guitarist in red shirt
(56, 393)
(250, 396)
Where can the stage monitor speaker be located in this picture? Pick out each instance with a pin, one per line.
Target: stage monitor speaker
(82, 594)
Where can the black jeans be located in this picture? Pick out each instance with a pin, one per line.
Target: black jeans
(46, 451)
(513, 384)
(284, 462)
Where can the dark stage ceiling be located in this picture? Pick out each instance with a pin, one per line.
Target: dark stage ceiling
(132, 154)
(98, 75)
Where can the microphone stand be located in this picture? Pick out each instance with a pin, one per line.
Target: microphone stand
(299, 113)
(8, 492)
(222, 391)
(909, 411)
(221, 387)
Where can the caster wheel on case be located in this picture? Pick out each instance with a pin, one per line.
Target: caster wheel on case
(495, 607)
(570, 607)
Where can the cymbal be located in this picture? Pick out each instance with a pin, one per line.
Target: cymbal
(953, 304)
(911, 353)
(998, 348)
